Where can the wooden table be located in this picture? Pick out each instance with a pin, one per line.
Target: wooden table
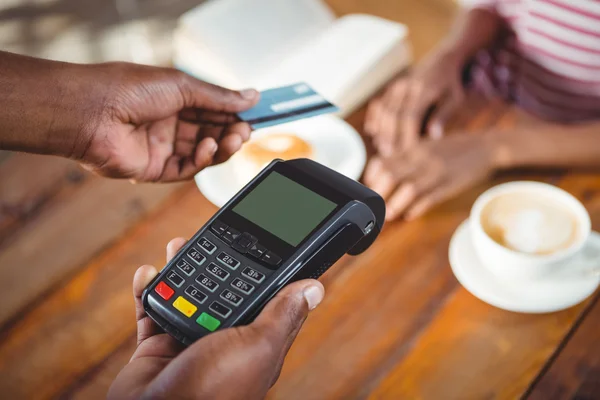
(395, 323)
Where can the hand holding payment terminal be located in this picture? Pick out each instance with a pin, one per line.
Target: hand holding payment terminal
(291, 222)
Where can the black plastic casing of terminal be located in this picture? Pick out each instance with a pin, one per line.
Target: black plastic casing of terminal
(349, 229)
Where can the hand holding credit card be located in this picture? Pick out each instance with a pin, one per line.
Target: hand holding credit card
(286, 104)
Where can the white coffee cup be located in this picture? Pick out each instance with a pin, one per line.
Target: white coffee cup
(579, 259)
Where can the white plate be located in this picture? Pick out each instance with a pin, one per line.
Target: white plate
(544, 296)
(336, 144)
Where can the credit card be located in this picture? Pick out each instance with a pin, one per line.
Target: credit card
(286, 104)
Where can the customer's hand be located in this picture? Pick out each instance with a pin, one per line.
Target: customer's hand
(432, 172)
(159, 124)
(120, 120)
(395, 119)
(235, 363)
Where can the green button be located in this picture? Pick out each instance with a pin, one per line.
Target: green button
(208, 321)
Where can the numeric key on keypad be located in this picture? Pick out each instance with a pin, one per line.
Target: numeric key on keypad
(242, 286)
(195, 294)
(219, 309)
(217, 271)
(227, 260)
(207, 245)
(175, 278)
(185, 267)
(207, 282)
(196, 256)
(231, 297)
(254, 275)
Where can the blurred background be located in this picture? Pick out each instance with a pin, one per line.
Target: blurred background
(140, 30)
(91, 30)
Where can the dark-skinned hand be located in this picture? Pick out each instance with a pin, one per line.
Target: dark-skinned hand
(120, 120)
(234, 363)
(395, 119)
(161, 125)
(431, 172)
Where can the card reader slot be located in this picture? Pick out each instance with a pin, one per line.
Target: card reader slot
(329, 253)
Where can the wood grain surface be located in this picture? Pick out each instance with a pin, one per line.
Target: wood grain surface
(575, 372)
(70, 331)
(76, 216)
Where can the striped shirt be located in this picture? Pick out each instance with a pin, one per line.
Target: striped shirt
(549, 60)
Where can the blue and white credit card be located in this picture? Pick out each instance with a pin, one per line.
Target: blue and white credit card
(286, 104)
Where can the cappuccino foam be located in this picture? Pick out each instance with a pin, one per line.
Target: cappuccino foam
(529, 223)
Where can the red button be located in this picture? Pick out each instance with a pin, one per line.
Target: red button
(164, 290)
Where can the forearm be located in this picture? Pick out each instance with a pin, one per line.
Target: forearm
(474, 30)
(549, 145)
(42, 109)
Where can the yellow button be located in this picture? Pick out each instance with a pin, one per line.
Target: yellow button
(184, 306)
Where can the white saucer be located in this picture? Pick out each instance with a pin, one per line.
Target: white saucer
(337, 145)
(544, 296)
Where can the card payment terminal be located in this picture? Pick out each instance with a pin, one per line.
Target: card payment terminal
(291, 222)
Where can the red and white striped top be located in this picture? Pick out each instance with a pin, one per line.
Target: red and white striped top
(549, 64)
